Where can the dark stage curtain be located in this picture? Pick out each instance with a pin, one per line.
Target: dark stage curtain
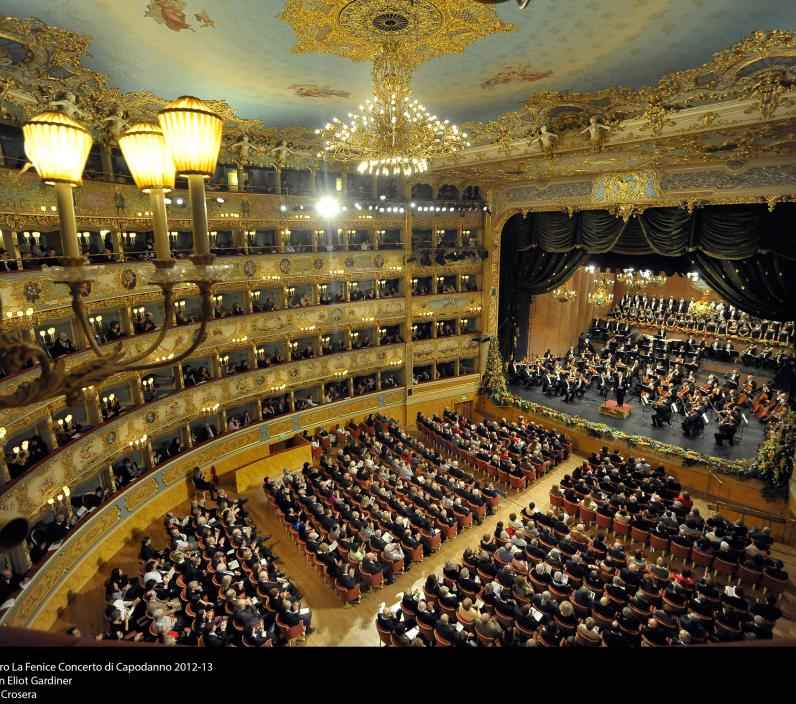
(762, 285)
(744, 252)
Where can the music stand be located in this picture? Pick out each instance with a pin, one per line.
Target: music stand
(741, 426)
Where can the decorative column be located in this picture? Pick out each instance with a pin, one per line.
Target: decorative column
(374, 186)
(93, 406)
(5, 475)
(278, 180)
(107, 479)
(116, 242)
(106, 161)
(11, 245)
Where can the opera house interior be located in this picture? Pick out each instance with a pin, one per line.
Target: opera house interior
(397, 323)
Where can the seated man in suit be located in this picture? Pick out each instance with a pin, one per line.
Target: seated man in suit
(728, 427)
(694, 422)
(444, 628)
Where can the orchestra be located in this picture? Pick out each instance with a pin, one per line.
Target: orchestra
(662, 372)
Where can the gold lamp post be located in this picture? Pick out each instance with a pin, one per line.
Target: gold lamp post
(58, 147)
(145, 151)
(193, 136)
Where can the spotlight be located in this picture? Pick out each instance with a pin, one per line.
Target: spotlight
(370, 207)
(400, 210)
(382, 197)
(344, 208)
(283, 208)
(179, 201)
(437, 208)
(219, 200)
(412, 205)
(167, 201)
(485, 208)
(327, 207)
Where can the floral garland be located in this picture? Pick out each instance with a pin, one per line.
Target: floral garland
(493, 385)
(774, 459)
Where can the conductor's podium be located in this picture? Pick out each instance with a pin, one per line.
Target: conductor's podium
(610, 408)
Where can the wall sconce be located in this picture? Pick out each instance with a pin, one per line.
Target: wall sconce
(139, 443)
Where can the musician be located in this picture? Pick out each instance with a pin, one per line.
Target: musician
(730, 420)
(749, 355)
(694, 422)
(732, 379)
(662, 413)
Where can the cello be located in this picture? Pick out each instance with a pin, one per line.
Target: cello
(761, 399)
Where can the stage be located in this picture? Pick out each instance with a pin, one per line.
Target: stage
(640, 423)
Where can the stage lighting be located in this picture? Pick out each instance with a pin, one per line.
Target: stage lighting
(282, 208)
(327, 207)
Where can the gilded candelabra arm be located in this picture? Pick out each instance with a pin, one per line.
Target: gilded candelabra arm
(205, 289)
(169, 300)
(16, 352)
(79, 309)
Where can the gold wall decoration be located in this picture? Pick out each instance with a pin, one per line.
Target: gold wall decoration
(146, 490)
(626, 188)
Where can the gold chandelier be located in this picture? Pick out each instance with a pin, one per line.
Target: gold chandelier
(564, 295)
(393, 133)
(636, 280)
(603, 292)
(186, 141)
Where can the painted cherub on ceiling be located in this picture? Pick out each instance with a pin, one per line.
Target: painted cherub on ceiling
(170, 13)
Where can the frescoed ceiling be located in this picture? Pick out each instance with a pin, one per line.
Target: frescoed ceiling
(241, 51)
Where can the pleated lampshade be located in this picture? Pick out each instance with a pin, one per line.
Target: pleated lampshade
(193, 135)
(148, 157)
(57, 146)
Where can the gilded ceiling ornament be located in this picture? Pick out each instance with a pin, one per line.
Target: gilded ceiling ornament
(356, 29)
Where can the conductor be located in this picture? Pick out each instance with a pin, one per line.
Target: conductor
(620, 380)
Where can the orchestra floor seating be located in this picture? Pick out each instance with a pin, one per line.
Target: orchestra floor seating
(355, 626)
